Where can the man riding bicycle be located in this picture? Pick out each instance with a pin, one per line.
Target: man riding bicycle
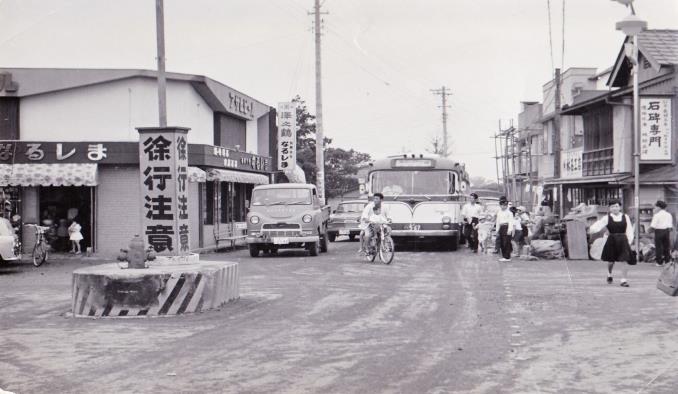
(374, 212)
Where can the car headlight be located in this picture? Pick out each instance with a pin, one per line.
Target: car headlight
(254, 219)
(447, 219)
(306, 218)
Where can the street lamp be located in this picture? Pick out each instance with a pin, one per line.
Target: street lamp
(632, 26)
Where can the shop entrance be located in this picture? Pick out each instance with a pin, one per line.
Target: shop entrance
(59, 206)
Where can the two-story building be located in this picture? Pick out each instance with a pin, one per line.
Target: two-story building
(607, 169)
(69, 148)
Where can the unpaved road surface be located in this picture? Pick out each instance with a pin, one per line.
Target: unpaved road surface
(433, 322)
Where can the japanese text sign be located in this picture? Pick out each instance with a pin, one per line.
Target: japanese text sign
(571, 163)
(287, 136)
(163, 164)
(655, 129)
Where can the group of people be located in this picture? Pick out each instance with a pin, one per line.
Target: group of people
(511, 225)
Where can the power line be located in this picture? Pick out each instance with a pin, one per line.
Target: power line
(548, 6)
(562, 57)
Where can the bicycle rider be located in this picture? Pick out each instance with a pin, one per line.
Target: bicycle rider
(373, 212)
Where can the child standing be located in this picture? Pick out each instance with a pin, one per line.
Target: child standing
(75, 236)
(505, 226)
(618, 245)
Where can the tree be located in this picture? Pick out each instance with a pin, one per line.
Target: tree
(341, 165)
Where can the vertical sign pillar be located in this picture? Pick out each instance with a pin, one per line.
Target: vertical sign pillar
(163, 165)
(287, 136)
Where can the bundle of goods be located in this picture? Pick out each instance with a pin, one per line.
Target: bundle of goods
(547, 249)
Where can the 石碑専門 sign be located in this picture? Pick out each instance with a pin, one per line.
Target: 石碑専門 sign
(655, 129)
(163, 163)
(287, 136)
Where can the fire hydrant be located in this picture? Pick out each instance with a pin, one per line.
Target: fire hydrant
(137, 255)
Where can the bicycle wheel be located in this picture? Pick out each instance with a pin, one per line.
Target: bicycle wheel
(371, 253)
(387, 250)
(39, 254)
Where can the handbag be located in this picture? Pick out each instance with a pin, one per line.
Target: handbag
(668, 279)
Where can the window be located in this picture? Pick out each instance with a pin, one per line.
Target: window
(208, 213)
(394, 183)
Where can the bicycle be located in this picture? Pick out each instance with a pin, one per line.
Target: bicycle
(381, 243)
(41, 247)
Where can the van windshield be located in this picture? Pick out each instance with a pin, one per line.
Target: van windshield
(281, 197)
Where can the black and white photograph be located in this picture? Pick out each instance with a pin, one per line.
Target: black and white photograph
(339, 196)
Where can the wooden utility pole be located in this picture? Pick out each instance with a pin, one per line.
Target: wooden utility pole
(443, 92)
(162, 81)
(319, 132)
(556, 143)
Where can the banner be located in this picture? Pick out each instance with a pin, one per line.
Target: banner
(287, 136)
(655, 129)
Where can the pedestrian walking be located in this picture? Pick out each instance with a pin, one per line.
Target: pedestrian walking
(662, 224)
(505, 227)
(75, 236)
(470, 213)
(524, 220)
(617, 248)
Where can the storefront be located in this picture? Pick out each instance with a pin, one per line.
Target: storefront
(97, 185)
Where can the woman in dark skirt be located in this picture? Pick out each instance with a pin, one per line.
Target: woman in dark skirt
(618, 245)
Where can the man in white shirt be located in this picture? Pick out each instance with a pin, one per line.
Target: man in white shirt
(505, 226)
(470, 213)
(662, 224)
(374, 212)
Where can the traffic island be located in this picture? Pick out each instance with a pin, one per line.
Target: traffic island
(159, 290)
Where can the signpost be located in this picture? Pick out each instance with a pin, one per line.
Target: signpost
(287, 136)
(163, 165)
(655, 129)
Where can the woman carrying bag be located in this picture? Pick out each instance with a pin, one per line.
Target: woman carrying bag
(618, 245)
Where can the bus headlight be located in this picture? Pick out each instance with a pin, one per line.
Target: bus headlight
(447, 219)
(254, 219)
(306, 218)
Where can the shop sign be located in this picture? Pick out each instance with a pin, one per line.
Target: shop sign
(571, 163)
(237, 160)
(655, 129)
(240, 105)
(66, 152)
(287, 135)
(163, 164)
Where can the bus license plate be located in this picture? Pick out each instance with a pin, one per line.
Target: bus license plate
(280, 241)
(344, 232)
(414, 227)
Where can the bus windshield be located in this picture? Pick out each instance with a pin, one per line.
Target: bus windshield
(403, 182)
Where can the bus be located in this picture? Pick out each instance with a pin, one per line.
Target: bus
(424, 196)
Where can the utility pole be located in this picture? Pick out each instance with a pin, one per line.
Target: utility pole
(162, 81)
(443, 93)
(556, 144)
(319, 132)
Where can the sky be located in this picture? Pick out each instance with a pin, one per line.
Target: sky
(381, 58)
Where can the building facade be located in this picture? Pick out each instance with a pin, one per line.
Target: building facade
(608, 129)
(69, 148)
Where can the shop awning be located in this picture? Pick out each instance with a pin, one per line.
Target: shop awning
(664, 175)
(215, 174)
(612, 178)
(38, 174)
(195, 174)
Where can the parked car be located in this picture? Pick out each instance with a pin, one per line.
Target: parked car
(287, 215)
(345, 220)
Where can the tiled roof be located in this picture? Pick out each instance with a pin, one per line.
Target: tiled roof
(661, 45)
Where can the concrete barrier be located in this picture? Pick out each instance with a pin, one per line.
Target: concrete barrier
(160, 290)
